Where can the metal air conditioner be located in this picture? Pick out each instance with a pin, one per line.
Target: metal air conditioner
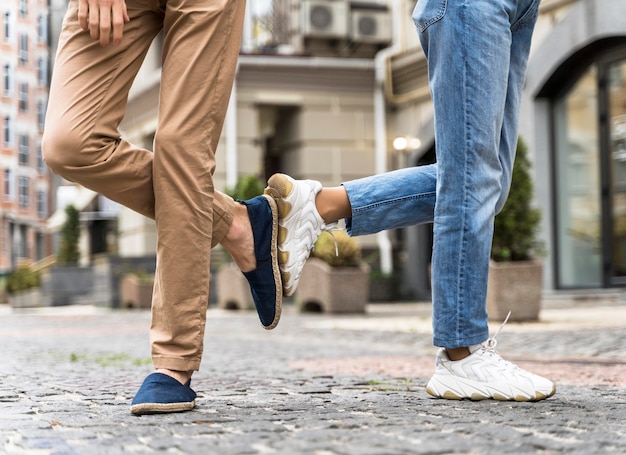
(370, 26)
(325, 19)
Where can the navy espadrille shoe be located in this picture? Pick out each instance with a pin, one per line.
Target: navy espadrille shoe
(265, 281)
(161, 393)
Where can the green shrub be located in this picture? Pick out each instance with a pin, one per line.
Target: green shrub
(247, 187)
(22, 279)
(517, 224)
(69, 253)
(348, 249)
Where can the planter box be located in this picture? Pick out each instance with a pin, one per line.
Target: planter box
(515, 287)
(333, 289)
(30, 298)
(67, 285)
(233, 290)
(136, 293)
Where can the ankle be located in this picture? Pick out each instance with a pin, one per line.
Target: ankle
(180, 376)
(457, 353)
(239, 240)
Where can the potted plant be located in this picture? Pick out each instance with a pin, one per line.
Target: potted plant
(515, 272)
(68, 282)
(136, 289)
(334, 279)
(23, 288)
(233, 290)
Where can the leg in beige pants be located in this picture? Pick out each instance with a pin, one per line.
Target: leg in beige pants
(173, 185)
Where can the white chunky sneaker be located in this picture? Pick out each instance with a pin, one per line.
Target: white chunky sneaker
(299, 224)
(484, 374)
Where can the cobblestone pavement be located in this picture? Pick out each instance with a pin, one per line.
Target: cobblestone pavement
(318, 384)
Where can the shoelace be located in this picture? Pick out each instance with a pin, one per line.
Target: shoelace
(330, 228)
(491, 343)
(489, 346)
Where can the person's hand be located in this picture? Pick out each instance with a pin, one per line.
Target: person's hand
(104, 19)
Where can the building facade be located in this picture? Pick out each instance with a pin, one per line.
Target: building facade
(340, 91)
(24, 178)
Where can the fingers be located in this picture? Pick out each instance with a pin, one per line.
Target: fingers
(83, 14)
(118, 19)
(104, 30)
(104, 19)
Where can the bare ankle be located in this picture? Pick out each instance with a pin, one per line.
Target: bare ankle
(457, 353)
(180, 376)
(239, 240)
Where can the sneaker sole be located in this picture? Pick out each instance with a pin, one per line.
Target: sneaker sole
(279, 188)
(438, 389)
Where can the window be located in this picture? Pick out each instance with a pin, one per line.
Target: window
(23, 7)
(42, 70)
(7, 84)
(23, 153)
(23, 97)
(23, 54)
(40, 161)
(42, 29)
(42, 205)
(578, 183)
(7, 133)
(9, 189)
(7, 27)
(41, 114)
(23, 192)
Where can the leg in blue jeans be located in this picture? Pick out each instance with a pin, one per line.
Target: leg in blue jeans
(477, 53)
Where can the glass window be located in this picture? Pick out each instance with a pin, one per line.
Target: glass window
(42, 206)
(40, 160)
(41, 114)
(42, 67)
(8, 185)
(7, 134)
(23, 154)
(23, 54)
(23, 97)
(578, 184)
(7, 26)
(23, 7)
(42, 29)
(617, 151)
(23, 184)
(7, 80)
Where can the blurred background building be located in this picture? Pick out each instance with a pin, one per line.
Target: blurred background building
(26, 186)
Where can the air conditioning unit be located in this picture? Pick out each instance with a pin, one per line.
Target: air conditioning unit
(370, 26)
(325, 19)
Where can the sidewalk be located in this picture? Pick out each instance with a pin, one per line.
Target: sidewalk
(317, 384)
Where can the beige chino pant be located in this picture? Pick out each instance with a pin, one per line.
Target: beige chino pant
(173, 185)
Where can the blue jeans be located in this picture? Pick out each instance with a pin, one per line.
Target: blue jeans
(477, 53)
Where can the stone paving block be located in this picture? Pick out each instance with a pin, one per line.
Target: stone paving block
(317, 385)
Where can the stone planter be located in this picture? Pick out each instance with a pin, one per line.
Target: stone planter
(333, 289)
(67, 285)
(516, 287)
(29, 298)
(233, 290)
(135, 292)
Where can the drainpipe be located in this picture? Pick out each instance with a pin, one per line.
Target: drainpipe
(247, 44)
(380, 128)
(231, 137)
